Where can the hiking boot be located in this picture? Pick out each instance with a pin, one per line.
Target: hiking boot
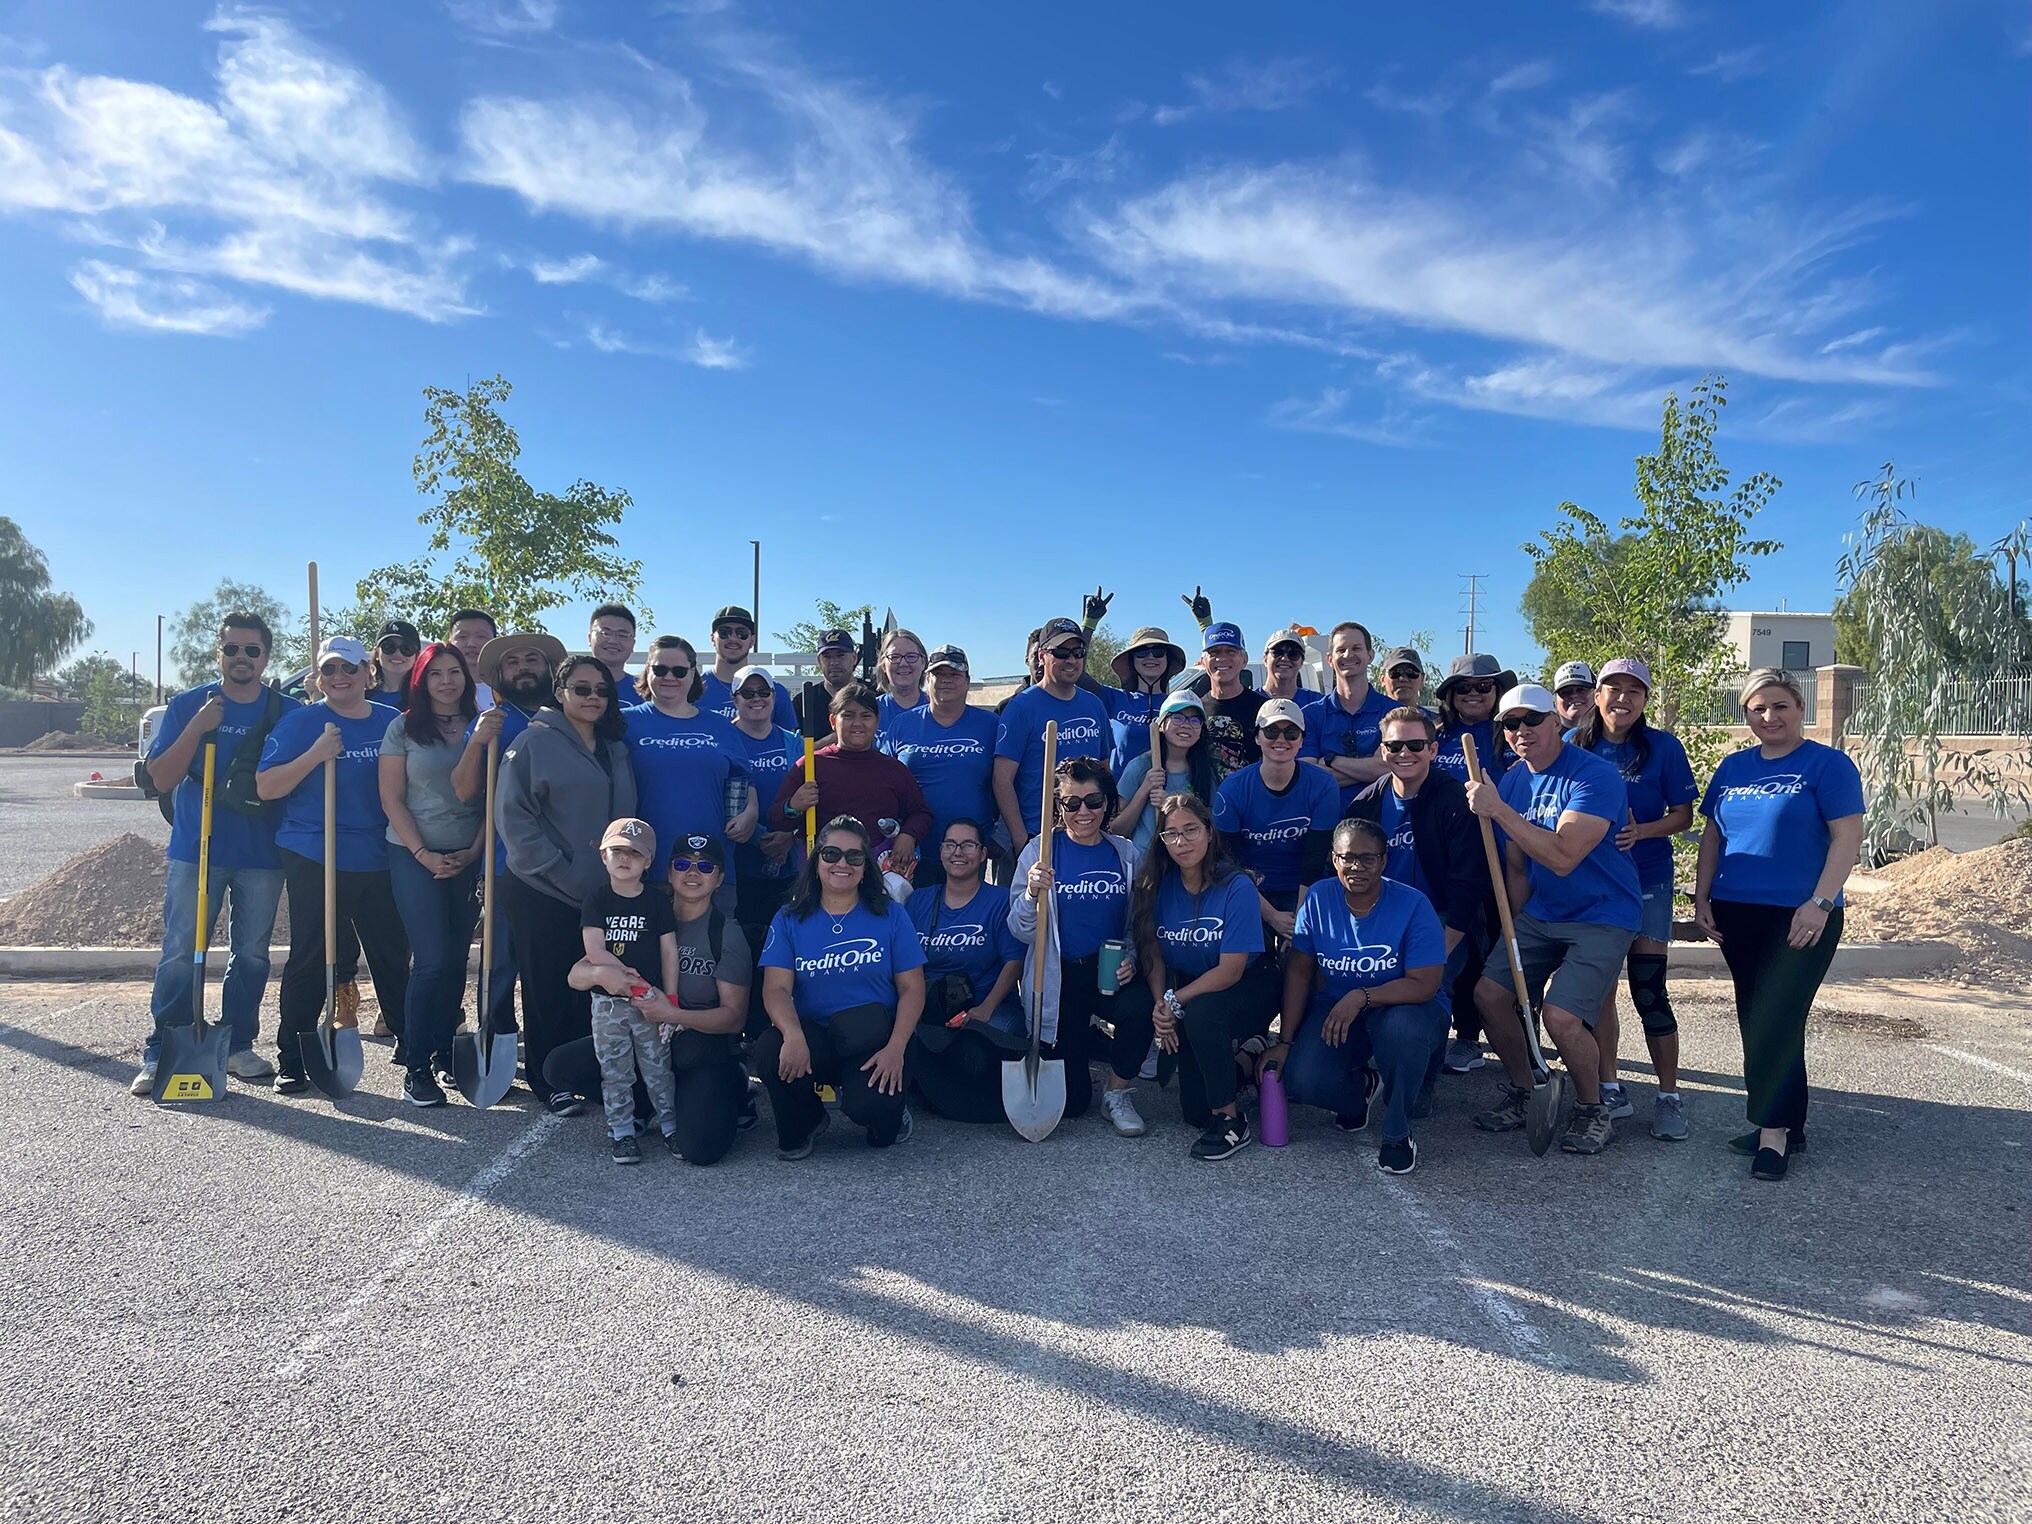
(420, 1088)
(1119, 1106)
(249, 1065)
(1668, 1118)
(1588, 1130)
(346, 1003)
(1462, 1056)
(627, 1151)
(1795, 1141)
(1617, 1100)
(1397, 1158)
(143, 1082)
(1507, 1115)
(1224, 1137)
(803, 1150)
(1355, 1121)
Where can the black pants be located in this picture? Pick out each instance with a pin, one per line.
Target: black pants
(547, 944)
(711, 1088)
(1775, 986)
(838, 1049)
(1079, 1001)
(1213, 1025)
(366, 906)
(1467, 1020)
(756, 901)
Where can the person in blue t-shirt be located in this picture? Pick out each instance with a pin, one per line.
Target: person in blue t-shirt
(1344, 730)
(972, 963)
(1143, 673)
(244, 875)
(1019, 739)
(1467, 707)
(1199, 939)
(733, 631)
(611, 637)
(900, 676)
(1785, 821)
(1660, 782)
(1190, 764)
(1362, 982)
(766, 862)
(684, 759)
(949, 747)
(1278, 814)
(1577, 909)
(843, 982)
(343, 730)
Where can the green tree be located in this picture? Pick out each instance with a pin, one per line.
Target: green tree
(78, 676)
(1103, 646)
(1913, 621)
(194, 633)
(1964, 593)
(111, 711)
(38, 628)
(513, 550)
(1554, 606)
(803, 636)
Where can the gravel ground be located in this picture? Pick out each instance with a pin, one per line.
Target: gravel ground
(44, 825)
(282, 1307)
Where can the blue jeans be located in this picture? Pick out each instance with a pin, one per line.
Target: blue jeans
(501, 989)
(439, 914)
(1402, 1040)
(250, 895)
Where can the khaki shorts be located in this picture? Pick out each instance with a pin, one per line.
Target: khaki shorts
(1570, 964)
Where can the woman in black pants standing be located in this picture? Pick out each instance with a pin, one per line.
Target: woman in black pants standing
(564, 779)
(1785, 820)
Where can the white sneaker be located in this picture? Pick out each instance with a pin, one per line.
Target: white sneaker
(249, 1065)
(1149, 1069)
(143, 1083)
(1120, 1106)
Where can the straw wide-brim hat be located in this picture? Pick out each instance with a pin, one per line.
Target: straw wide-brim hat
(1143, 640)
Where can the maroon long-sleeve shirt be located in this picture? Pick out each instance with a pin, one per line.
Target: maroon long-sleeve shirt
(869, 785)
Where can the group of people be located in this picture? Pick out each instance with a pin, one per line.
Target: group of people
(1222, 875)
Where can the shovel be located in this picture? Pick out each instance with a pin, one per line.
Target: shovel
(192, 1064)
(816, 726)
(1548, 1086)
(483, 1062)
(331, 1055)
(1033, 1087)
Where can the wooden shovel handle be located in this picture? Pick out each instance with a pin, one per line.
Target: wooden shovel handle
(1497, 880)
(1044, 833)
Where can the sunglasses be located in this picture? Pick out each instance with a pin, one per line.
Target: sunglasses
(1359, 859)
(1071, 652)
(588, 690)
(1282, 732)
(335, 668)
(395, 645)
(1487, 685)
(704, 865)
(230, 649)
(658, 669)
(1404, 674)
(853, 857)
(738, 631)
(1287, 653)
(755, 693)
(1516, 722)
(1414, 747)
(1072, 802)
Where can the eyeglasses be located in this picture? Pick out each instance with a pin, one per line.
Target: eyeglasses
(659, 669)
(755, 693)
(1414, 747)
(959, 846)
(1185, 717)
(231, 649)
(1488, 685)
(587, 690)
(612, 632)
(1070, 803)
(1359, 859)
(1070, 652)
(334, 668)
(395, 645)
(904, 658)
(703, 865)
(853, 857)
(1516, 722)
(1179, 835)
(1282, 732)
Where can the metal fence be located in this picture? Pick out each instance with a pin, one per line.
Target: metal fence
(1997, 706)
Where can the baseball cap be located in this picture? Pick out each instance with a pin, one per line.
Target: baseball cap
(345, 648)
(1056, 630)
(733, 613)
(751, 670)
(947, 656)
(1222, 634)
(1532, 696)
(1181, 701)
(837, 640)
(710, 847)
(1573, 674)
(635, 835)
(1286, 637)
(1478, 664)
(1277, 709)
(1627, 666)
(1402, 656)
(402, 630)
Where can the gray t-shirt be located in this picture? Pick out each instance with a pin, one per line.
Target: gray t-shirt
(698, 979)
(444, 824)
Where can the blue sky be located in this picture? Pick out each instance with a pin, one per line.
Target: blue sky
(965, 310)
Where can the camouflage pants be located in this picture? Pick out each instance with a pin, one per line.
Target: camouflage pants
(628, 1044)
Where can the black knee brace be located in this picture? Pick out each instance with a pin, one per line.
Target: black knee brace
(1647, 993)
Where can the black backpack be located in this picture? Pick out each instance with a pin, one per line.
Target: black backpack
(234, 789)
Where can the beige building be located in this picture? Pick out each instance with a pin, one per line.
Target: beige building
(1781, 638)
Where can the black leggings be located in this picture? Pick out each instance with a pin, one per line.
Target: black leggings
(838, 1049)
(547, 943)
(1079, 1001)
(1213, 1025)
(367, 906)
(1775, 986)
(711, 1088)
(756, 901)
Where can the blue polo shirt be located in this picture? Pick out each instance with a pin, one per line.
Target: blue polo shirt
(1602, 889)
(1773, 816)
(1330, 731)
(1083, 731)
(834, 971)
(238, 841)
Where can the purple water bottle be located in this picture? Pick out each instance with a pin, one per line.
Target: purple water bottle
(1272, 1111)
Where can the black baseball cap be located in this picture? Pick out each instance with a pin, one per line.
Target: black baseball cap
(733, 613)
(403, 630)
(1056, 630)
(700, 846)
(837, 640)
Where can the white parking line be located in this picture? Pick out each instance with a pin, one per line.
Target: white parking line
(1503, 1314)
(477, 1190)
(1977, 1061)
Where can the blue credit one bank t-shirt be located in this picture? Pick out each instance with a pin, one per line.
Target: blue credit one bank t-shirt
(1773, 816)
(1602, 889)
(835, 971)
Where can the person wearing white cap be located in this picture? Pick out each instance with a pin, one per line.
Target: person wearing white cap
(1277, 817)
(766, 752)
(1284, 666)
(1573, 689)
(1662, 792)
(949, 747)
(1189, 768)
(1577, 903)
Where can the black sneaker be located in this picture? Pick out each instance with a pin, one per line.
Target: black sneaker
(1227, 1135)
(627, 1151)
(1355, 1121)
(563, 1103)
(288, 1082)
(1397, 1158)
(751, 1110)
(441, 1071)
(1768, 1165)
(803, 1150)
(420, 1088)
(1795, 1141)
(670, 1142)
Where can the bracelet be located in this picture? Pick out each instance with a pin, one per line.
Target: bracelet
(417, 852)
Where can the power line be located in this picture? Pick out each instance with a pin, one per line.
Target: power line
(1472, 592)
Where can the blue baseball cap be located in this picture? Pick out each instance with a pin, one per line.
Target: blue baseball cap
(837, 640)
(1223, 634)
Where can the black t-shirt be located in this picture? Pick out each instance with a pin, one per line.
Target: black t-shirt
(633, 928)
(1231, 722)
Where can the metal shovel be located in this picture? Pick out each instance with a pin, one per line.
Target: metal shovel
(192, 1063)
(483, 1062)
(1033, 1087)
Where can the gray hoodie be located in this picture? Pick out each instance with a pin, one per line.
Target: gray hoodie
(553, 803)
(1024, 925)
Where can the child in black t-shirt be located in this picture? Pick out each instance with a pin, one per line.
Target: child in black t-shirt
(631, 961)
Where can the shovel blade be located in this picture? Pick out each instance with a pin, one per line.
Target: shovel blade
(1542, 1113)
(1033, 1095)
(483, 1066)
(333, 1060)
(191, 1067)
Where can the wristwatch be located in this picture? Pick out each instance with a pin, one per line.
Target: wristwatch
(1825, 904)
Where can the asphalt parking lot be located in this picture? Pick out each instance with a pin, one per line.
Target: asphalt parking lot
(289, 1308)
(43, 825)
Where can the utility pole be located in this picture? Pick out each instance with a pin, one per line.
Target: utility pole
(755, 601)
(158, 658)
(1472, 592)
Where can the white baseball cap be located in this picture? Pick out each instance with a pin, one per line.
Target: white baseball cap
(1532, 696)
(1276, 709)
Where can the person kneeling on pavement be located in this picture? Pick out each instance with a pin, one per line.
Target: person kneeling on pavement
(1577, 904)
(843, 983)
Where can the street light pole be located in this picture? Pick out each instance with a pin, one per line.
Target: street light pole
(755, 599)
(158, 658)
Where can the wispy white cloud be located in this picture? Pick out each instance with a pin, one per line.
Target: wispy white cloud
(715, 354)
(1525, 76)
(1097, 166)
(1582, 145)
(1732, 65)
(703, 350)
(161, 304)
(1705, 152)
(1806, 420)
(652, 288)
(567, 272)
(1852, 340)
(1276, 85)
(1546, 386)
(1660, 15)
(1329, 413)
(505, 18)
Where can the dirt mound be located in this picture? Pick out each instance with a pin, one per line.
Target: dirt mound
(1979, 901)
(109, 896)
(64, 740)
(1918, 862)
